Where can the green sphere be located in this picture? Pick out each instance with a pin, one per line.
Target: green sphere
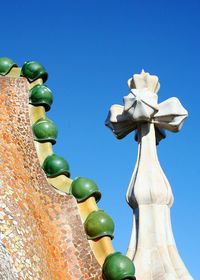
(83, 188)
(6, 64)
(99, 224)
(41, 95)
(118, 267)
(55, 165)
(44, 130)
(33, 70)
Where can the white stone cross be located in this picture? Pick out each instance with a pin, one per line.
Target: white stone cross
(152, 247)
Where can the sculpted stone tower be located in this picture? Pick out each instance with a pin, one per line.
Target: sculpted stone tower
(152, 246)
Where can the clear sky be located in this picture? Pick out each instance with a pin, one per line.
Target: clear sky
(90, 49)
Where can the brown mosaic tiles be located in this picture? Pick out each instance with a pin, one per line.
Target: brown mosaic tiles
(41, 233)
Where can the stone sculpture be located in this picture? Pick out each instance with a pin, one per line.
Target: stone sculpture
(152, 246)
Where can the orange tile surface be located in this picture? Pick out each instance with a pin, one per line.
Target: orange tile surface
(41, 233)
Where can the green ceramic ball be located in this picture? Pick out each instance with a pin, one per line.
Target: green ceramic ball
(118, 267)
(41, 95)
(44, 130)
(99, 224)
(33, 70)
(6, 64)
(83, 188)
(55, 165)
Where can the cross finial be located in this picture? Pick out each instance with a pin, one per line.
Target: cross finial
(141, 105)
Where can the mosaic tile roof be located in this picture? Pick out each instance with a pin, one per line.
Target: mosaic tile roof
(42, 233)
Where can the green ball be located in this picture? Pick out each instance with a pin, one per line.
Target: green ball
(41, 95)
(118, 267)
(33, 70)
(99, 224)
(44, 130)
(6, 64)
(83, 188)
(55, 165)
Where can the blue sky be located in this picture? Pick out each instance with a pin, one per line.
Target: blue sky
(90, 49)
